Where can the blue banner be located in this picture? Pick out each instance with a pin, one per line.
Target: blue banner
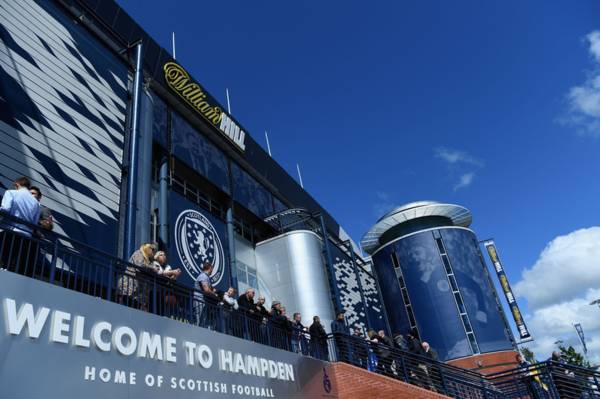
(197, 237)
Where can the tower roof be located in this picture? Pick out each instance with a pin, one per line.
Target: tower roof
(458, 215)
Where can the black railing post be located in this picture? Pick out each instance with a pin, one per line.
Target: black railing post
(154, 308)
(110, 281)
(53, 263)
(443, 381)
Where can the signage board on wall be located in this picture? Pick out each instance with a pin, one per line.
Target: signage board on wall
(194, 95)
(197, 237)
(508, 293)
(59, 343)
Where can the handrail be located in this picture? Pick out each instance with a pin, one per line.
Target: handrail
(94, 272)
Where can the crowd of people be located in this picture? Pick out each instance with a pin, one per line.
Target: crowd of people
(221, 310)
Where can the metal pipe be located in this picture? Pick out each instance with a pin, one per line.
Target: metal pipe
(163, 203)
(132, 173)
(330, 269)
(358, 280)
(231, 242)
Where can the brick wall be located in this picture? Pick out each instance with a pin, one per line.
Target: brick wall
(488, 363)
(351, 382)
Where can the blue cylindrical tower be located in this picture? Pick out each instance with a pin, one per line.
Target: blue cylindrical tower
(434, 280)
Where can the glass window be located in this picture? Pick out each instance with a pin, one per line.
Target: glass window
(199, 153)
(250, 193)
(476, 290)
(446, 264)
(453, 283)
(440, 245)
(395, 260)
(459, 302)
(159, 121)
(473, 342)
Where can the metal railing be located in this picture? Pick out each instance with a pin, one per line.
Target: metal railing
(548, 380)
(65, 262)
(411, 368)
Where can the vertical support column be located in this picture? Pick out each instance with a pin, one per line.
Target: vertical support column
(383, 309)
(359, 281)
(330, 269)
(163, 203)
(231, 242)
(133, 172)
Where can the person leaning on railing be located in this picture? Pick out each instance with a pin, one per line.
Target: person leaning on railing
(132, 287)
(17, 245)
(207, 309)
(318, 339)
(45, 220)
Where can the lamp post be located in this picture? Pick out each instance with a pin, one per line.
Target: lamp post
(596, 302)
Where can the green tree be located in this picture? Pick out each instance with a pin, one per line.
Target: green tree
(573, 357)
(528, 354)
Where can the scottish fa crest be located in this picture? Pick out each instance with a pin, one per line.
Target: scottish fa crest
(197, 242)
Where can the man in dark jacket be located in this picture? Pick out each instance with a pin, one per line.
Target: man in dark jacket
(400, 342)
(340, 336)
(429, 352)
(318, 339)
(386, 344)
(246, 301)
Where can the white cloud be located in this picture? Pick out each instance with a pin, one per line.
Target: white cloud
(566, 268)
(453, 156)
(584, 99)
(464, 181)
(558, 289)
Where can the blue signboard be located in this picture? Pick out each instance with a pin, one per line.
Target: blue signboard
(197, 237)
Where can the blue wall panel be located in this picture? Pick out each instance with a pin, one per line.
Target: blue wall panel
(477, 292)
(199, 153)
(63, 100)
(250, 193)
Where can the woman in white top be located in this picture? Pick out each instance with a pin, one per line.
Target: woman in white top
(229, 299)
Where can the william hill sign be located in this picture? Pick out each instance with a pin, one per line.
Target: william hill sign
(194, 95)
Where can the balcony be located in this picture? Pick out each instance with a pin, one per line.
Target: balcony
(73, 266)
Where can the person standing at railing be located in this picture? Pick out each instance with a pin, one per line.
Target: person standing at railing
(163, 268)
(133, 287)
(340, 334)
(260, 309)
(45, 221)
(531, 378)
(230, 305)
(298, 340)
(17, 245)
(318, 339)
(360, 349)
(246, 302)
(171, 307)
(400, 342)
(385, 353)
(430, 371)
(207, 310)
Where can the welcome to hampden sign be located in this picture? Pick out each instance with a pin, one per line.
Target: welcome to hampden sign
(61, 344)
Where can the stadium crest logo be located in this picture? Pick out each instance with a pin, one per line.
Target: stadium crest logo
(197, 242)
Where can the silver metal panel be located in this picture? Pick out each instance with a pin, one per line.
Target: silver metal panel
(460, 216)
(292, 267)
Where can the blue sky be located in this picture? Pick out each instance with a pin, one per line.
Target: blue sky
(469, 102)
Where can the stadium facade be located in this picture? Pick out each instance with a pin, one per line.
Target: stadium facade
(125, 158)
(431, 269)
(129, 148)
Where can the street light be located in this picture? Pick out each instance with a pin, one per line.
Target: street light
(596, 302)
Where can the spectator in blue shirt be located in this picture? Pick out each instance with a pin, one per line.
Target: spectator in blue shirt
(21, 204)
(19, 252)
